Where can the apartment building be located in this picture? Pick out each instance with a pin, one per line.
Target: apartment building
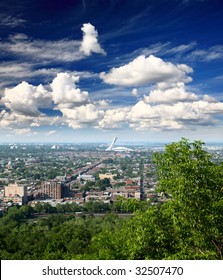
(51, 190)
(15, 193)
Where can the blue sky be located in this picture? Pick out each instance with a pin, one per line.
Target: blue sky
(78, 70)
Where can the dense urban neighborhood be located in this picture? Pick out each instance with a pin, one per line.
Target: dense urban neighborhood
(75, 174)
(59, 174)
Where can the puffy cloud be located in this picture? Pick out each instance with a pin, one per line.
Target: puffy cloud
(170, 109)
(26, 99)
(144, 70)
(114, 118)
(17, 123)
(171, 95)
(209, 99)
(35, 124)
(180, 115)
(102, 104)
(156, 124)
(82, 116)
(65, 93)
(90, 43)
(169, 106)
(205, 107)
(13, 121)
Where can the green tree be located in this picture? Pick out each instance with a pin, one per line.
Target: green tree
(38, 208)
(186, 172)
(103, 184)
(148, 235)
(37, 176)
(88, 186)
(48, 208)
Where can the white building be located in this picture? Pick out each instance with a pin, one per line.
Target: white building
(86, 177)
(16, 193)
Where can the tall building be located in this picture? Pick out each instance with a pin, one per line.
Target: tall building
(50, 190)
(16, 193)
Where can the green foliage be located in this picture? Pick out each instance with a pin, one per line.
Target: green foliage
(53, 237)
(109, 160)
(123, 205)
(88, 186)
(103, 184)
(146, 235)
(187, 172)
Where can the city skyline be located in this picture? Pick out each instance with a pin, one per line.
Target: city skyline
(87, 71)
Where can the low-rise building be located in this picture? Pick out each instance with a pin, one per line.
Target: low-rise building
(86, 177)
(107, 175)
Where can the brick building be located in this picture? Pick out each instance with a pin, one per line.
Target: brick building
(51, 190)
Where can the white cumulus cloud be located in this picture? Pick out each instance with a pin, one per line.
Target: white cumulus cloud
(114, 118)
(82, 116)
(179, 115)
(144, 70)
(167, 107)
(26, 99)
(65, 94)
(171, 95)
(90, 42)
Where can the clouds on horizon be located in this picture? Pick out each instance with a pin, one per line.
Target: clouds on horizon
(167, 107)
